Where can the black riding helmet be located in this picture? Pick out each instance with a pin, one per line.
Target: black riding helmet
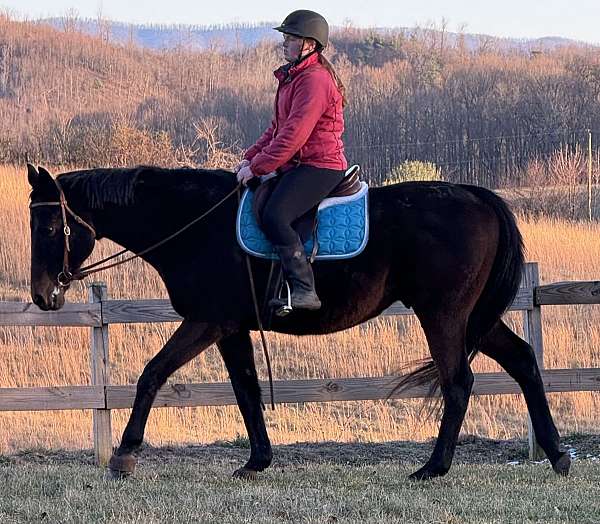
(306, 24)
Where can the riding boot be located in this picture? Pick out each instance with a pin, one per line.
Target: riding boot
(299, 275)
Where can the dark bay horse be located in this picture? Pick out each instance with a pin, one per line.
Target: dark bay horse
(451, 252)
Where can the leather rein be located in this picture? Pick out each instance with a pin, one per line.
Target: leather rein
(65, 277)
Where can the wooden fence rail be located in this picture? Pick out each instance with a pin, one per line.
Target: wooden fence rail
(102, 397)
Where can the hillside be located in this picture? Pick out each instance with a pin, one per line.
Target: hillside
(232, 36)
(481, 115)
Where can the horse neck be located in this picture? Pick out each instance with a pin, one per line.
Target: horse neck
(155, 216)
(125, 226)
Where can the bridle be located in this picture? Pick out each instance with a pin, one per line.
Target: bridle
(65, 277)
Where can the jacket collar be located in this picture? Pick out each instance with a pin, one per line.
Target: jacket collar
(289, 71)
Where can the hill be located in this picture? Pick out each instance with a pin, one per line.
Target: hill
(480, 115)
(232, 36)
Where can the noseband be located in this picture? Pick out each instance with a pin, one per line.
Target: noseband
(65, 277)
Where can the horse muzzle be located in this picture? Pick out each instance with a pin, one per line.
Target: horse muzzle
(49, 300)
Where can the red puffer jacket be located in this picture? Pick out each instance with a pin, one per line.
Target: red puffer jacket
(308, 122)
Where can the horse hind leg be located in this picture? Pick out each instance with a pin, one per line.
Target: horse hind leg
(237, 353)
(188, 341)
(446, 338)
(517, 358)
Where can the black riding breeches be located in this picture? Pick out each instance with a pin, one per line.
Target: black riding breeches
(297, 192)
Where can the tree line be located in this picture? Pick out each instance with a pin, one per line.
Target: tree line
(480, 114)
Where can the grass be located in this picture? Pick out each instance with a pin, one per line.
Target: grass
(52, 356)
(323, 491)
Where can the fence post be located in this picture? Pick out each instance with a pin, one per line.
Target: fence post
(532, 327)
(97, 292)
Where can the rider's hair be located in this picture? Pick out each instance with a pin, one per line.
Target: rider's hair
(327, 65)
(338, 81)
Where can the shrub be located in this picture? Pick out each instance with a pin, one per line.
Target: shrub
(413, 170)
(132, 146)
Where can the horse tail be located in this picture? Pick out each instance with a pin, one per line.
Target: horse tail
(498, 293)
(503, 282)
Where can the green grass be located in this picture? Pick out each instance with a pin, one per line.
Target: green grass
(189, 487)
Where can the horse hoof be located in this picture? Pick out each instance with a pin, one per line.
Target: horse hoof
(426, 473)
(562, 465)
(245, 474)
(121, 467)
(114, 474)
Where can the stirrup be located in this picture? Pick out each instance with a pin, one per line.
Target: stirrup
(286, 309)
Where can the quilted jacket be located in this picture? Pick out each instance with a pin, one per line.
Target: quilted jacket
(308, 123)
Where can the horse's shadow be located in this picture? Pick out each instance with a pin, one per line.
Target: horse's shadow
(470, 450)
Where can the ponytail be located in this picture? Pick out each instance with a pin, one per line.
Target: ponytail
(338, 81)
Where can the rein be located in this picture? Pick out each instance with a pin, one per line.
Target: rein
(65, 277)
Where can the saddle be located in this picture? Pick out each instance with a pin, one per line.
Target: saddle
(336, 228)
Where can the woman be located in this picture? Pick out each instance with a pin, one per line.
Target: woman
(303, 145)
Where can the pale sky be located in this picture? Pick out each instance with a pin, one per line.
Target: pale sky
(576, 19)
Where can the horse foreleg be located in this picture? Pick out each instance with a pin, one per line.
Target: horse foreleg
(518, 359)
(446, 339)
(189, 340)
(237, 352)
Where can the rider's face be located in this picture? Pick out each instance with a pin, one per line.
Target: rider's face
(294, 47)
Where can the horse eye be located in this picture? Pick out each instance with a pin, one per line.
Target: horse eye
(51, 230)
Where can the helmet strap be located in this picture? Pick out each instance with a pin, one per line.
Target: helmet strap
(300, 55)
(301, 58)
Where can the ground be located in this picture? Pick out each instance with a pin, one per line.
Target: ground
(491, 481)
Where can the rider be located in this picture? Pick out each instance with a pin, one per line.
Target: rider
(303, 145)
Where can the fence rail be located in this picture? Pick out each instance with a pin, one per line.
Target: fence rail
(102, 397)
(286, 391)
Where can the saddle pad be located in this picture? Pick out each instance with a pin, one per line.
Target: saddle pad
(342, 227)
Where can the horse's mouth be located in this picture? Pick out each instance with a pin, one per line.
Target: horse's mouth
(54, 302)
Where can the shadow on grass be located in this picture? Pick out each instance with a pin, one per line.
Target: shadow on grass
(470, 450)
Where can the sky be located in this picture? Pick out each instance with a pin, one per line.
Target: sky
(578, 20)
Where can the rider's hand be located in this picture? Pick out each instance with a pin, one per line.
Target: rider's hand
(245, 174)
(242, 164)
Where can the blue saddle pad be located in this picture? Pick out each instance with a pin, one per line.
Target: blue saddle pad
(342, 227)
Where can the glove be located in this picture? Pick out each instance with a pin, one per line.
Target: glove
(242, 164)
(245, 174)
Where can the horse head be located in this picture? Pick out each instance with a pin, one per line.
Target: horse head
(60, 240)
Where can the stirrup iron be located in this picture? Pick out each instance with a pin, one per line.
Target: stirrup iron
(286, 309)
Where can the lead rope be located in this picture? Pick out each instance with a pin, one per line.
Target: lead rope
(263, 338)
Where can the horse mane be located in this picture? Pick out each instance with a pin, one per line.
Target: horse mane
(103, 187)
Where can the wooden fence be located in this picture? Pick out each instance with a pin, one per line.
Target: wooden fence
(102, 396)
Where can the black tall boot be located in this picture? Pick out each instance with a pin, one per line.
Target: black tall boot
(299, 275)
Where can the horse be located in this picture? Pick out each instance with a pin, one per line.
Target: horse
(451, 252)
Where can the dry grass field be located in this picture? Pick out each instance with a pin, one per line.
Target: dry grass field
(51, 356)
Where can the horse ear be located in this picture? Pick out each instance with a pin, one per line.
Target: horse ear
(40, 179)
(44, 172)
(32, 175)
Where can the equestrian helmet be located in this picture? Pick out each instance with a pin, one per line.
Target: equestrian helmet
(306, 24)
